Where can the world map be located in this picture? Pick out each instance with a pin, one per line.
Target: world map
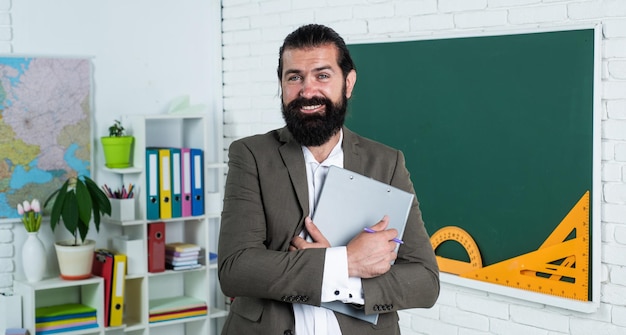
(45, 127)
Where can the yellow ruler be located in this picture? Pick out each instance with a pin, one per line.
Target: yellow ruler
(559, 267)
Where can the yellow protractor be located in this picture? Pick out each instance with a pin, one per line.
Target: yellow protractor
(458, 234)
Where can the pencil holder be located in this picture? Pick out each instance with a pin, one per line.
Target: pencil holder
(123, 209)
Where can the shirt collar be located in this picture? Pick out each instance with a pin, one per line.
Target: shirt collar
(334, 158)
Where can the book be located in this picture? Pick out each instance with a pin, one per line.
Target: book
(182, 258)
(169, 304)
(177, 315)
(57, 323)
(68, 329)
(192, 309)
(182, 247)
(181, 263)
(65, 317)
(66, 311)
(182, 267)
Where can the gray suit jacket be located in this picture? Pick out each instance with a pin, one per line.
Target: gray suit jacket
(265, 203)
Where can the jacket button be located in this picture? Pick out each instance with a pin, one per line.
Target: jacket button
(288, 332)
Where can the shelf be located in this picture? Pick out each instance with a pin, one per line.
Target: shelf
(215, 165)
(217, 313)
(128, 170)
(173, 272)
(57, 282)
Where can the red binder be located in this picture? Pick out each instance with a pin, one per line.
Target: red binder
(102, 266)
(156, 247)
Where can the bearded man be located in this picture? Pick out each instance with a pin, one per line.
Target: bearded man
(277, 276)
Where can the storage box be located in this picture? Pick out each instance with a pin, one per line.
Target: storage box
(134, 251)
(10, 311)
(123, 209)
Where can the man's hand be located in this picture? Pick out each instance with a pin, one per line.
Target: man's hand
(319, 241)
(370, 254)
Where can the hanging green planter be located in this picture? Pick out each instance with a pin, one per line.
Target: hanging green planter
(117, 147)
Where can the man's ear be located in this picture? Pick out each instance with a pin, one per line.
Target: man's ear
(350, 82)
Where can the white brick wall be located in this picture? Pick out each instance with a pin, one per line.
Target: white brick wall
(254, 29)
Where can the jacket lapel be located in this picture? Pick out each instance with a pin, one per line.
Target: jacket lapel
(351, 152)
(291, 154)
(293, 158)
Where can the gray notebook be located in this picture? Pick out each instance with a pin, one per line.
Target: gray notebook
(350, 202)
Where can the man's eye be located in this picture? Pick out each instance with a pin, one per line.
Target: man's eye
(323, 76)
(293, 78)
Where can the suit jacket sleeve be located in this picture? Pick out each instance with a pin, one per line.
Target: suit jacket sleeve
(260, 217)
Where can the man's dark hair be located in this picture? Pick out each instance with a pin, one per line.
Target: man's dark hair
(315, 35)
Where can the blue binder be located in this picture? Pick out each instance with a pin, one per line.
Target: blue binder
(152, 183)
(197, 182)
(176, 182)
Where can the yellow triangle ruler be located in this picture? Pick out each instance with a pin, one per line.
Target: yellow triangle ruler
(559, 267)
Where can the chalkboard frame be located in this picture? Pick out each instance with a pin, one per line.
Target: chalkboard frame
(595, 261)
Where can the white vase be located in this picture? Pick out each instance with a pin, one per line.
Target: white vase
(33, 258)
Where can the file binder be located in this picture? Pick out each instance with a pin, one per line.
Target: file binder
(156, 247)
(165, 184)
(185, 165)
(197, 182)
(176, 183)
(102, 266)
(152, 183)
(117, 290)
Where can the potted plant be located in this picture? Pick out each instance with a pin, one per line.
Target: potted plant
(117, 146)
(75, 203)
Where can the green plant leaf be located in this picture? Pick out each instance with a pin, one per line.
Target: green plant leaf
(84, 203)
(101, 203)
(70, 212)
(57, 207)
(104, 204)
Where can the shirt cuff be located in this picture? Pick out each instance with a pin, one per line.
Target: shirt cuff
(336, 285)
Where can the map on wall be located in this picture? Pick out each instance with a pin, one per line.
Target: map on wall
(45, 127)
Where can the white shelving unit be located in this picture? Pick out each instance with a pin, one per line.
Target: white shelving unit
(175, 131)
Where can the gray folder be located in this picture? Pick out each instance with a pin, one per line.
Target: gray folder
(347, 204)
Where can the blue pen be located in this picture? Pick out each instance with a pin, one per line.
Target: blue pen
(370, 230)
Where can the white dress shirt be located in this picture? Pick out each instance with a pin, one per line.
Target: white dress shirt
(336, 285)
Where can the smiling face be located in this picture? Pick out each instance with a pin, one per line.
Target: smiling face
(314, 93)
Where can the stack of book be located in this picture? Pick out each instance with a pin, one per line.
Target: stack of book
(174, 308)
(64, 318)
(182, 256)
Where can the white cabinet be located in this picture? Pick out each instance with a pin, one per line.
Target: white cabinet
(56, 291)
(142, 286)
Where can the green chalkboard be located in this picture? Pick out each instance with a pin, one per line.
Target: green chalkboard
(497, 130)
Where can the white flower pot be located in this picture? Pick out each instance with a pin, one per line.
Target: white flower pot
(75, 260)
(33, 258)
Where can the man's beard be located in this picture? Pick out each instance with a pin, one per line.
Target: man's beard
(314, 129)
